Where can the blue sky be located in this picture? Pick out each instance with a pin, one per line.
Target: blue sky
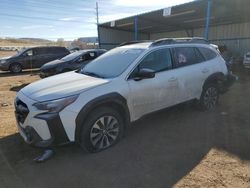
(52, 19)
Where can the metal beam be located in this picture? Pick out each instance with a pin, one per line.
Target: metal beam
(136, 27)
(209, 2)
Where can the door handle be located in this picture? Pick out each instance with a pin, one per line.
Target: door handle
(205, 70)
(172, 79)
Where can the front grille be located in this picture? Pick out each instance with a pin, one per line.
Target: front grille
(22, 110)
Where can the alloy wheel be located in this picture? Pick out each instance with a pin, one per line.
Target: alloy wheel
(210, 97)
(104, 132)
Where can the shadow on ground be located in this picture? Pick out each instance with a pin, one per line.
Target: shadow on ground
(18, 88)
(157, 151)
(24, 72)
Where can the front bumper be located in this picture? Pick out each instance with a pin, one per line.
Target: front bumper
(36, 127)
(4, 67)
(46, 74)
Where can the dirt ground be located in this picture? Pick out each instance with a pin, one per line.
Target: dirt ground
(177, 147)
(6, 53)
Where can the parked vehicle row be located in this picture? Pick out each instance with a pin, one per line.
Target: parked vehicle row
(50, 59)
(94, 105)
(32, 58)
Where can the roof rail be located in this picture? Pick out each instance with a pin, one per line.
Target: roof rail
(133, 42)
(166, 41)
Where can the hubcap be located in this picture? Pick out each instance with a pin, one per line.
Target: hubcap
(16, 68)
(210, 97)
(104, 132)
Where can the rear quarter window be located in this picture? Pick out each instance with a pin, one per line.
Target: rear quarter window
(184, 56)
(207, 53)
(59, 50)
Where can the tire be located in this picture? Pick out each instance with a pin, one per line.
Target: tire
(15, 68)
(103, 128)
(209, 97)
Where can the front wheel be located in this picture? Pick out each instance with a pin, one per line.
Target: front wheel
(15, 68)
(209, 97)
(103, 128)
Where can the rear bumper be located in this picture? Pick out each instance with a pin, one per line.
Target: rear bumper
(227, 82)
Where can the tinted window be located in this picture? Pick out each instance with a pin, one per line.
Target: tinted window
(41, 51)
(72, 56)
(91, 55)
(158, 60)
(207, 53)
(58, 50)
(187, 56)
(28, 53)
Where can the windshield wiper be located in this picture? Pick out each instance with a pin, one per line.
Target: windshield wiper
(92, 74)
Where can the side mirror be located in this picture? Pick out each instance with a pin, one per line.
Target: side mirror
(144, 74)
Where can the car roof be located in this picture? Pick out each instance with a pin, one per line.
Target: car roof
(142, 45)
(148, 45)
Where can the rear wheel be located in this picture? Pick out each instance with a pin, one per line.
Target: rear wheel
(103, 128)
(209, 97)
(15, 68)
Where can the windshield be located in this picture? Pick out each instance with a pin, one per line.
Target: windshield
(72, 56)
(112, 63)
(20, 51)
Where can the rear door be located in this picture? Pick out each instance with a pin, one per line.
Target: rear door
(41, 56)
(192, 71)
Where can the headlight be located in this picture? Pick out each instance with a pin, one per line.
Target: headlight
(3, 61)
(55, 105)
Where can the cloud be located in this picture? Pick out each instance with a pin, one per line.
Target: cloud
(27, 27)
(86, 9)
(69, 19)
(150, 4)
(7, 27)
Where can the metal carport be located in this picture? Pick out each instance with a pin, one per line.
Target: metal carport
(229, 24)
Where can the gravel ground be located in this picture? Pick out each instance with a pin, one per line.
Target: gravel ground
(177, 147)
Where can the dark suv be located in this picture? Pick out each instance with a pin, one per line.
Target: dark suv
(32, 58)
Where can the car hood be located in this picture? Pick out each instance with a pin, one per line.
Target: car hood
(4, 58)
(60, 86)
(52, 64)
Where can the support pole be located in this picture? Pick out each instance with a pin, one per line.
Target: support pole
(136, 28)
(206, 34)
(97, 24)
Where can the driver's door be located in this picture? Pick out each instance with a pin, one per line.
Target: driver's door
(27, 59)
(148, 95)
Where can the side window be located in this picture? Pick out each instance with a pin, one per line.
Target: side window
(57, 50)
(207, 53)
(92, 55)
(187, 56)
(28, 53)
(40, 51)
(158, 60)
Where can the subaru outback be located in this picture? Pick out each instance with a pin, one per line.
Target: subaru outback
(94, 105)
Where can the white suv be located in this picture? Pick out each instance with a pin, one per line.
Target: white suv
(93, 106)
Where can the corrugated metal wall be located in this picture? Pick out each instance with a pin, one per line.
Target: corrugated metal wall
(235, 36)
(110, 38)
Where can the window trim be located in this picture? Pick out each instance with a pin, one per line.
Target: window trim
(145, 55)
